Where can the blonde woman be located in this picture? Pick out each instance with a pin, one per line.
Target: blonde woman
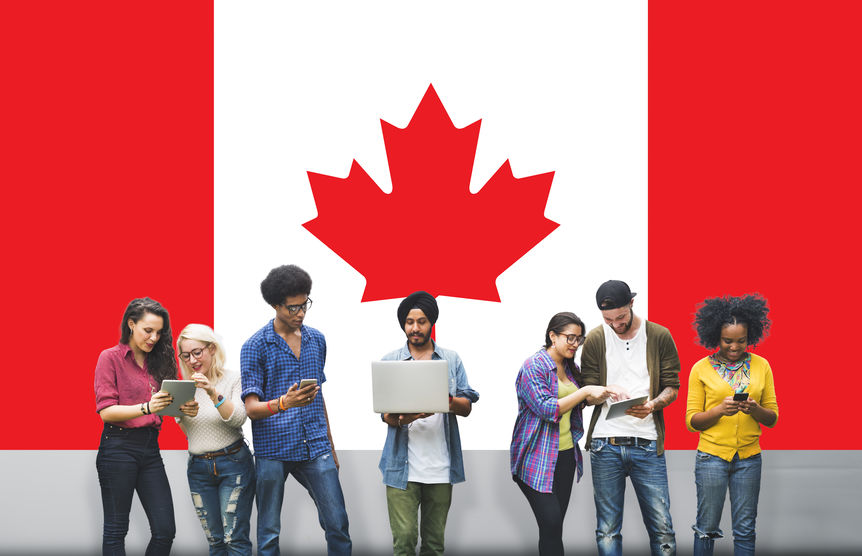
(221, 469)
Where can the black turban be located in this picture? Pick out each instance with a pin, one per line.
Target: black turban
(418, 300)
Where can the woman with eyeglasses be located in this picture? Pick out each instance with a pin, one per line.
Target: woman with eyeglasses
(128, 378)
(220, 467)
(731, 395)
(544, 455)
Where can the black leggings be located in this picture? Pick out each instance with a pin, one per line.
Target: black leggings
(550, 507)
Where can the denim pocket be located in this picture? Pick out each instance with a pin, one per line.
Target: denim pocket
(649, 448)
(596, 445)
(702, 456)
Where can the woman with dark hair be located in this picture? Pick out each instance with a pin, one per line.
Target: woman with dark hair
(544, 454)
(730, 395)
(128, 378)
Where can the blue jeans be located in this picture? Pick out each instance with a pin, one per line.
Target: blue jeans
(320, 478)
(610, 466)
(129, 461)
(713, 476)
(222, 491)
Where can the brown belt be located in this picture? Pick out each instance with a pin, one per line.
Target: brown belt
(232, 449)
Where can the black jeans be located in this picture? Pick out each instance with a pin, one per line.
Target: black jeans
(550, 507)
(129, 461)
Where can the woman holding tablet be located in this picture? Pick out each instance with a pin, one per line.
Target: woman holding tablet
(544, 454)
(730, 395)
(127, 382)
(220, 469)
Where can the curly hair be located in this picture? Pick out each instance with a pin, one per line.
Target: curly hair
(556, 325)
(283, 282)
(161, 363)
(716, 312)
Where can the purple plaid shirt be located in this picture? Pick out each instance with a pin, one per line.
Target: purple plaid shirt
(536, 439)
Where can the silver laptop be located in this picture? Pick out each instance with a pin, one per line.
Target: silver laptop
(410, 386)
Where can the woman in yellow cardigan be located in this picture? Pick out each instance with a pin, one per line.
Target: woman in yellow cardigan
(730, 395)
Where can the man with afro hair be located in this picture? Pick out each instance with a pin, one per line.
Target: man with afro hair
(290, 426)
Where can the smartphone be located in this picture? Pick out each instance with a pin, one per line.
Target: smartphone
(307, 382)
(740, 396)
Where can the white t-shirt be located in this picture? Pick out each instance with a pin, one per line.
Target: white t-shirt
(627, 367)
(427, 453)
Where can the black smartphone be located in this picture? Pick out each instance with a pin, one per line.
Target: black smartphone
(740, 396)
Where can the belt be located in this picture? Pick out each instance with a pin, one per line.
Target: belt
(232, 449)
(628, 441)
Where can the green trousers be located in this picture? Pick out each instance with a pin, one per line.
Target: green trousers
(404, 506)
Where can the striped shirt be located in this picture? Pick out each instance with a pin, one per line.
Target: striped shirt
(536, 438)
(269, 368)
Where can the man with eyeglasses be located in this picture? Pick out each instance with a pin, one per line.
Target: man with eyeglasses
(641, 357)
(290, 426)
(422, 458)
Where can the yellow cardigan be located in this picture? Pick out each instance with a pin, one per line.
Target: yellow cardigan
(735, 433)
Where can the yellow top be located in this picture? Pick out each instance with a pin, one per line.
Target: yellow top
(563, 390)
(734, 433)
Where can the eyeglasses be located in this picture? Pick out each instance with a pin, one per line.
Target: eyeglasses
(294, 309)
(186, 355)
(573, 339)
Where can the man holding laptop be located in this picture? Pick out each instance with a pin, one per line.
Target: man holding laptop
(422, 459)
(641, 357)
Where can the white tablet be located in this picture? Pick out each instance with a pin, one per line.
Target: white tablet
(182, 391)
(410, 386)
(618, 409)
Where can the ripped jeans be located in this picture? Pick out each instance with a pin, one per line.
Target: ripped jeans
(647, 470)
(714, 477)
(222, 491)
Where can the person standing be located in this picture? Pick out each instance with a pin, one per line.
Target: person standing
(422, 457)
(220, 466)
(290, 426)
(127, 383)
(641, 357)
(545, 459)
(731, 393)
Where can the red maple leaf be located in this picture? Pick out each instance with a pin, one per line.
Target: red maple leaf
(430, 233)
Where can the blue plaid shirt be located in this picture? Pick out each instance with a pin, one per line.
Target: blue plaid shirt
(269, 368)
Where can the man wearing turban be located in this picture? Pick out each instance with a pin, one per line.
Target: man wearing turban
(422, 458)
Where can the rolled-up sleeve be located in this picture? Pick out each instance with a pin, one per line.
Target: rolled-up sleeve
(670, 365)
(237, 418)
(251, 370)
(535, 392)
(462, 387)
(105, 383)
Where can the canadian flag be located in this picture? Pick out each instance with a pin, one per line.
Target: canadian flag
(171, 151)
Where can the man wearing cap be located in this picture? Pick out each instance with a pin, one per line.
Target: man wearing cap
(641, 357)
(422, 459)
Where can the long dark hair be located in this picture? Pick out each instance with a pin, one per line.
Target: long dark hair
(557, 323)
(161, 363)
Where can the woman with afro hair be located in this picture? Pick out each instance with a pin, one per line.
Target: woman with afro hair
(730, 395)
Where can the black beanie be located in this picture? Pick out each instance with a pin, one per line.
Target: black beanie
(421, 300)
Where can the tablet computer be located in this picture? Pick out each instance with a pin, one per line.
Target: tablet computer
(410, 386)
(182, 391)
(618, 409)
